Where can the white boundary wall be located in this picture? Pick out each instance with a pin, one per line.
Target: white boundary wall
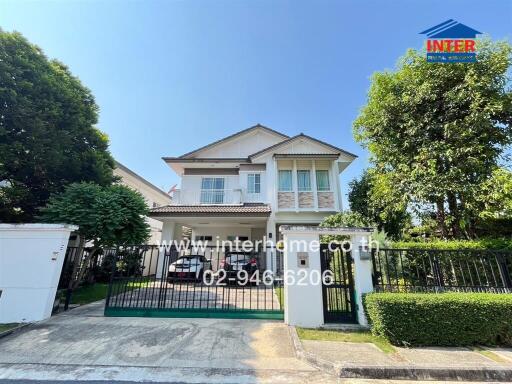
(303, 303)
(31, 258)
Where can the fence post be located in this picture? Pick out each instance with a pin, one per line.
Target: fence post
(504, 272)
(438, 274)
(363, 282)
(113, 272)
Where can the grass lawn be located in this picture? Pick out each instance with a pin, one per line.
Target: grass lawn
(280, 296)
(89, 293)
(98, 291)
(6, 327)
(345, 336)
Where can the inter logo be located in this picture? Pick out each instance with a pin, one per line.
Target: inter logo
(451, 42)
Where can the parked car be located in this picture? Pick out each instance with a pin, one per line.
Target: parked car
(239, 261)
(188, 267)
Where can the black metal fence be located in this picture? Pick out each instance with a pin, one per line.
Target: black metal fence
(431, 270)
(197, 280)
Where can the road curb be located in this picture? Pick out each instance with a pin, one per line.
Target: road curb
(406, 372)
(13, 330)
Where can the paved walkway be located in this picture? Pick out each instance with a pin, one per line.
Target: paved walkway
(347, 359)
(368, 354)
(82, 344)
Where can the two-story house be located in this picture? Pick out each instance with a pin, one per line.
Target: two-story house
(248, 184)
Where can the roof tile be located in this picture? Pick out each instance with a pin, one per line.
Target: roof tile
(180, 210)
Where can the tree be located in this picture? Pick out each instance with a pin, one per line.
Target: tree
(47, 134)
(350, 219)
(436, 131)
(494, 205)
(346, 219)
(366, 198)
(495, 199)
(106, 216)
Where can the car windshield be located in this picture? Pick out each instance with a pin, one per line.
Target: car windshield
(238, 258)
(188, 260)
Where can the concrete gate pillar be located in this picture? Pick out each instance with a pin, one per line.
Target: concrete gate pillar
(303, 302)
(363, 282)
(303, 298)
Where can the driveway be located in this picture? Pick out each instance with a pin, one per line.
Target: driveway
(82, 344)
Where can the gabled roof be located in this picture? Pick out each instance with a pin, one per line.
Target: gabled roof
(242, 132)
(301, 135)
(451, 29)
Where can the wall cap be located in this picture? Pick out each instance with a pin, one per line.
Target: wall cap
(38, 227)
(325, 230)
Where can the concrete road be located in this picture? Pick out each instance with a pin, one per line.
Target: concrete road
(341, 381)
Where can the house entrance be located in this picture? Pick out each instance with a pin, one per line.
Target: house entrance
(338, 291)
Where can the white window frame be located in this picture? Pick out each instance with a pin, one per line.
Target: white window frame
(253, 180)
(212, 195)
(279, 180)
(298, 179)
(329, 182)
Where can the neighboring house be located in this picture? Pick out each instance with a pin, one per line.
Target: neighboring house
(247, 184)
(153, 195)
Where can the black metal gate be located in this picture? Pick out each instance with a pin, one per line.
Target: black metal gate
(337, 285)
(194, 282)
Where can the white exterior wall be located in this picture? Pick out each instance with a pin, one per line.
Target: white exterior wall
(243, 146)
(31, 258)
(254, 198)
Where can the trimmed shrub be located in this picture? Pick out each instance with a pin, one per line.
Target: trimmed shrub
(486, 243)
(447, 319)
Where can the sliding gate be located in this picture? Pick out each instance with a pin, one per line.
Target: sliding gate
(204, 282)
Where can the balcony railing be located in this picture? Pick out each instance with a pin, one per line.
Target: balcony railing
(207, 196)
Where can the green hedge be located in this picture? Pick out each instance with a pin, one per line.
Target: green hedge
(446, 319)
(496, 244)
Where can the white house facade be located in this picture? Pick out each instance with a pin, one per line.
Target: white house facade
(248, 184)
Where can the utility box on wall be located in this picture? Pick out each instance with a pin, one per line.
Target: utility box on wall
(31, 259)
(302, 260)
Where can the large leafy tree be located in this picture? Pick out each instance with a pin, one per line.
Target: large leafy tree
(372, 201)
(47, 134)
(106, 217)
(437, 131)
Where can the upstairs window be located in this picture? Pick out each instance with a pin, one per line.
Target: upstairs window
(212, 190)
(253, 183)
(285, 181)
(322, 180)
(304, 180)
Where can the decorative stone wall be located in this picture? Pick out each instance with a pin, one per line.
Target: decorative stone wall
(286, 199)
(306, 200)
(325, 200)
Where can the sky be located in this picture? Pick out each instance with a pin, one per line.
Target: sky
(172, 76)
